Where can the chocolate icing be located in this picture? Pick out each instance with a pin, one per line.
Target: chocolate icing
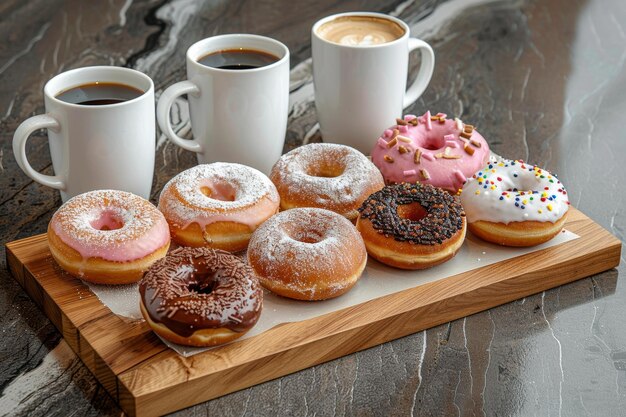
(200, 288)
(444, 214)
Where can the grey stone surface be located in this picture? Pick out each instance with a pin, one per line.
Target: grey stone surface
(543, 81)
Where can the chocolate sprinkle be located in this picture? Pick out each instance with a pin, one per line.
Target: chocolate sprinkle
(444, 215)
(201, 288)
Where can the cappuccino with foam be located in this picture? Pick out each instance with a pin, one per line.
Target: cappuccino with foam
(360, 31)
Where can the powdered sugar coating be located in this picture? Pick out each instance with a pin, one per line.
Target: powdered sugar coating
(305, 177)
(143, 228)
(184, 202)
(297, 245)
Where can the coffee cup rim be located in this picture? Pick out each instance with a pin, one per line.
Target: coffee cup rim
(327, 19)
(52, 93)
(193, 52)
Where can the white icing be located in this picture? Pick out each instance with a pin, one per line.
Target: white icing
(490, 194)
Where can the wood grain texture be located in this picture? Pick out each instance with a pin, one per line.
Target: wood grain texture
(148, 379)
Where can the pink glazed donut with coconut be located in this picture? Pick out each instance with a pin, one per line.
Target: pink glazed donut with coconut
(430, 149)
(108, 237)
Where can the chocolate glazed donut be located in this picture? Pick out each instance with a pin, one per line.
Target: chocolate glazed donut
(200, 297)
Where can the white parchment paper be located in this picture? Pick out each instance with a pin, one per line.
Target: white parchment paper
(378, 280)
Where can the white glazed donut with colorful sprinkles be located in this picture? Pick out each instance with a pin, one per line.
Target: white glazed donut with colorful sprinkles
(514, 203)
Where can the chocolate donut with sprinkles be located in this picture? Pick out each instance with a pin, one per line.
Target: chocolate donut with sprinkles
(200, 297)
(513, 203)
(412, 226)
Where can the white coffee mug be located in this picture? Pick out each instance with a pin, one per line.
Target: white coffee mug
(361, 90)
(236, 115)
(94, 147)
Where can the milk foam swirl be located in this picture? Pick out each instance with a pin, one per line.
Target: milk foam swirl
(360, 31)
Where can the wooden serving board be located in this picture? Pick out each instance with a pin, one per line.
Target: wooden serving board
(146, 378)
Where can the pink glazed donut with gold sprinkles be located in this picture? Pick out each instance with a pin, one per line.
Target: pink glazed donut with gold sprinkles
(108, 237)
(431, 150)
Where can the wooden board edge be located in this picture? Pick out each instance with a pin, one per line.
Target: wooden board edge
(264, 369)
(61, 321)
(15, 267)
(74, 324)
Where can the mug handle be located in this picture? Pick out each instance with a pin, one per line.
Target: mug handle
(425, 73)
(20, 137)
(163, 113)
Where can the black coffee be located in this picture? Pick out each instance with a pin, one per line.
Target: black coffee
(238, 59)
(99, 93)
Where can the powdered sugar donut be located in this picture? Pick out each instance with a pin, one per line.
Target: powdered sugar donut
(107, 237)
(325, 175)
(431, 150)
(217, 205)
(514, 203)
(307, 254)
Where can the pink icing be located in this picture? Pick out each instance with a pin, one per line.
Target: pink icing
(108, 220)
(136, 227)
(238, 194)
(429, 123)
(459, 175)
(434, 140)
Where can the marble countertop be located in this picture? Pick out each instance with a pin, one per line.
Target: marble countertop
(544, 81)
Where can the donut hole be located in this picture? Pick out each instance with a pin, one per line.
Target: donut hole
(202, 287)
(523, 184)
(107, 220)
(433, 143)
(206, 281)
(305, 236)
(222, 191)
(412, 211)
(326, 170)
